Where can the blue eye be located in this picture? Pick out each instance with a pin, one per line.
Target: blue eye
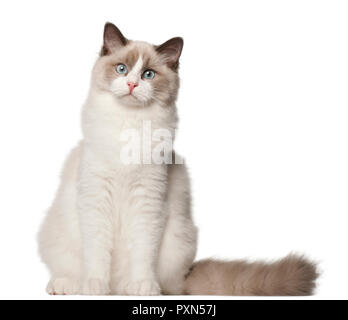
(121, 68)
(149, 74)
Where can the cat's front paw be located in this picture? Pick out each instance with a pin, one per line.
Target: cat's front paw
(142, 288)
(63, 286)
(95, 287)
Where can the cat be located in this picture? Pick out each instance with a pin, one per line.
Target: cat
(127, 229)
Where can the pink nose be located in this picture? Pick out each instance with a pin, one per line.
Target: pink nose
(131, 86)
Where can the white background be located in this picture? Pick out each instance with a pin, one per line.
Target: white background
(263, 108)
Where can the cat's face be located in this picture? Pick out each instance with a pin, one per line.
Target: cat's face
(138, 73)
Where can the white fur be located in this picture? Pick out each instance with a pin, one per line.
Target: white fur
(116, 228)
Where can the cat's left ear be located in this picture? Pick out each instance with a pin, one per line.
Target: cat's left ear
(172, 49)
(113, 39)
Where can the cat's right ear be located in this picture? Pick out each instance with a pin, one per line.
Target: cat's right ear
(113, 39)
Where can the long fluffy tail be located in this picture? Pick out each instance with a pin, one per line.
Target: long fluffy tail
(290, 276)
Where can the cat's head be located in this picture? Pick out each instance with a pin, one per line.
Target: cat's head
(138, 73)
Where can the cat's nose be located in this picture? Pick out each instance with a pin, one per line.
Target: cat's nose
(131, 86)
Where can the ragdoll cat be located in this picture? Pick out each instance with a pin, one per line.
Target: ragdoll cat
(126, 228)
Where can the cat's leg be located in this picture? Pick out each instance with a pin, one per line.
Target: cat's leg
(141, 227)
(60, 251)
(94, 207)
(59, 238)
(179, 242)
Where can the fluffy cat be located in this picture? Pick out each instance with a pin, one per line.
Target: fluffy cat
(126, 229)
